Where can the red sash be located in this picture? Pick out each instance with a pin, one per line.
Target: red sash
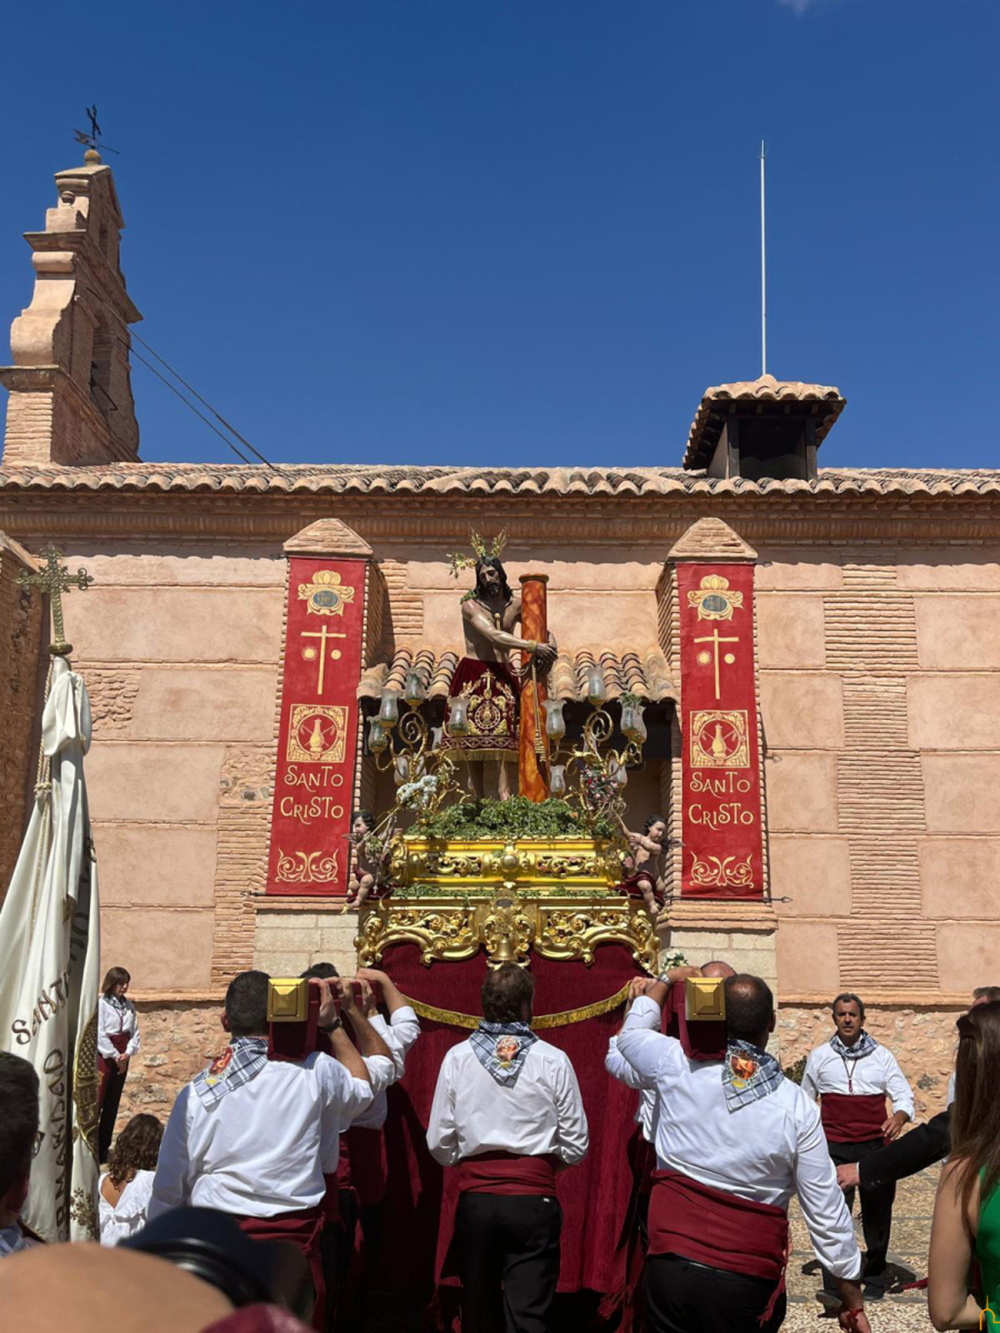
(119, 1040)
(506, 1173)
(709, 1226)
(301, 1229)
(367, 1164)
(852, 1118)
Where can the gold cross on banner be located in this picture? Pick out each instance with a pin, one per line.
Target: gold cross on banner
(715, 639)
(55, 579)
(309, 653)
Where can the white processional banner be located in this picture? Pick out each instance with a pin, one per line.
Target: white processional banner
(50, 947)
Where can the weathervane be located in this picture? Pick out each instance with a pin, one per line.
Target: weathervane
(93, 140)
(55, 579)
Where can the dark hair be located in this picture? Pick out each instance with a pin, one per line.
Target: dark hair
(246, 1004)
(848, 997)
(975, 1115)
(366, 815)
(505, 993)
(136, 1149)
(749, 1008)
(493, 562)
(655, 819)
(322, 971)
(18, 1118)
(116, 976)
(986, 993)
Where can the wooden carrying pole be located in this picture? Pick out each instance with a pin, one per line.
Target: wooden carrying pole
(533, 774)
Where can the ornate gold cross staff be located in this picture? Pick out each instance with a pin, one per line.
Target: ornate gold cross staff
(55, 579)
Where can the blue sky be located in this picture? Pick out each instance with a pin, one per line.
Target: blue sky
(525, 232)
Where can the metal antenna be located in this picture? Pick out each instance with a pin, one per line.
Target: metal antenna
(92, 140)
(763, 271)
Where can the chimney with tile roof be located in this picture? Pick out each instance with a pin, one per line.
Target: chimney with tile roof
(764, 428)
(70, 392)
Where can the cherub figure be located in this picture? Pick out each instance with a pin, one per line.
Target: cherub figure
(369, 859)
(646, 862)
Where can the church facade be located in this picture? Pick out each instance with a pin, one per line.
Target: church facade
(872, 652)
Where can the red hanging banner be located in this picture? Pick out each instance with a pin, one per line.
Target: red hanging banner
(317, 737)
(722, 854)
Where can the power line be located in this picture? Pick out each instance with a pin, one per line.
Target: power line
(218, 415)
(173, 389)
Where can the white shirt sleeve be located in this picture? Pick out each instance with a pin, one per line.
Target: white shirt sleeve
(950, 1095)
(340, 1089)
(822, 1200)
(104, 1046)
(174, 1172)
(133, 1024)
(618, 1067)
(399, 1034)
(898, 1088)
(643, 1045)
(571, 1119)
(374, 1117)
(442, 1131)
(810, 1083)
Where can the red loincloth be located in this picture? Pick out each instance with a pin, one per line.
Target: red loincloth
(493, 692)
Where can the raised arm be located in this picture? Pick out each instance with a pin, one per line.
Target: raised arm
(641, 1043)
(368, 1040)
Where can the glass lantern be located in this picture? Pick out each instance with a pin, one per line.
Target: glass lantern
(400, 769)
(413, 689)
(555, 723)
(378, 737)
(557, 780)
(617, 773)
(597, 691)
(388, 714)
(633, 725)
(436, 734)
(458, 718)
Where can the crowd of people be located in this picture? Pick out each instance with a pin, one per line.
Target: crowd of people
(289, 1149)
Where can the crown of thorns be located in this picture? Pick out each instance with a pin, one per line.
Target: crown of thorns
(458, 560)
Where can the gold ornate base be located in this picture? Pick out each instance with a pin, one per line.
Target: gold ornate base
(508, 925)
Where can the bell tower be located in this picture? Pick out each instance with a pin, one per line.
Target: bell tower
(70, 390)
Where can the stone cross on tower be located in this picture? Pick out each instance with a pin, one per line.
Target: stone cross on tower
(55, 579)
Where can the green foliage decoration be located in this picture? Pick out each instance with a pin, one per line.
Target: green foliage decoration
(506, 821)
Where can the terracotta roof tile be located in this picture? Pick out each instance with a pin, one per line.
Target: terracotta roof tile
(340, 479)
(641, 672)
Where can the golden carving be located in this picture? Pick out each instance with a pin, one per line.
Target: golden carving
(575, 932)
(317, 733)
(325, 595)
(713, 599)
(508, 924)
(719, 738)
(306, 867)
(508, 931)
(717, 872)
(539, 1022)
(545, 865)
(441, 932)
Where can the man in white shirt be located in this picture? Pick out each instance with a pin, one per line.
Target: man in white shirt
(852, 1074)
(507, 1112)
(619, 1068)
(734, 1140)
(245, 1135)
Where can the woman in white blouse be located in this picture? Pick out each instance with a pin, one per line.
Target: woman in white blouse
(117, 1042)
(124, 1189)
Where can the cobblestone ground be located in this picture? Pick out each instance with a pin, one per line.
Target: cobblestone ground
(900, 1311)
